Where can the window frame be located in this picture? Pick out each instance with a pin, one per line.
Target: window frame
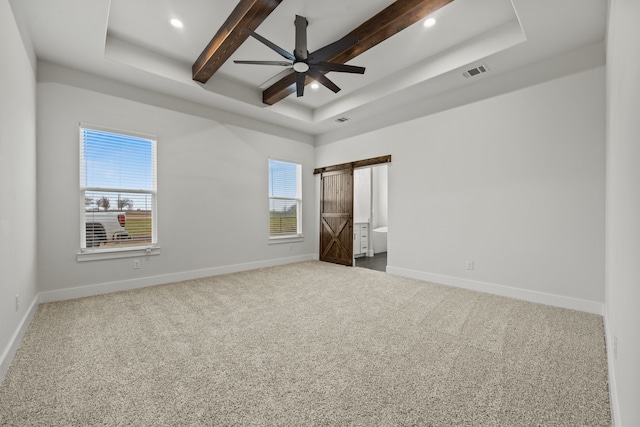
(286, 238)
(91, 253)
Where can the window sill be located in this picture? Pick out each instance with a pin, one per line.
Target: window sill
(286, 239)
(100, 254)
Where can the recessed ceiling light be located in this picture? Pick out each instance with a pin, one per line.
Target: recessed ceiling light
(315, 85)
(177, 23)
(429, 22)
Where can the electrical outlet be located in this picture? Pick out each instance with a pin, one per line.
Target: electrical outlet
(469, 265)
(136, 263)
(615, 347)
(17, 302)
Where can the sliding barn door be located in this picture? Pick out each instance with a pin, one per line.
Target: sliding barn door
(336, 217)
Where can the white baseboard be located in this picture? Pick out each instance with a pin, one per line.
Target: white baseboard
(613, 390)
(14, 343)
(505, 291)
(125, 285)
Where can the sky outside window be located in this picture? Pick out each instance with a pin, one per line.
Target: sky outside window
(284, 179)
(117, 161)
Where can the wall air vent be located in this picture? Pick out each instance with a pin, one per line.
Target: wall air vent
(342, 119)
(476, 71)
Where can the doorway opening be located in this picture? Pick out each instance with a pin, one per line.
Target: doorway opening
(370, 216)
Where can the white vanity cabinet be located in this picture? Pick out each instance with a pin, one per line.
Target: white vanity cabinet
(360, 238)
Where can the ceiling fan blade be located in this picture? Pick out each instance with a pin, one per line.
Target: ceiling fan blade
(301, 38)
(282, 74)
(281, 63)
(269, 44)
(300, 78)
(332, 49)
(323, 80)
(332, 66)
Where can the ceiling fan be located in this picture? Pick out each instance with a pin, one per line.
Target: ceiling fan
(303, 63)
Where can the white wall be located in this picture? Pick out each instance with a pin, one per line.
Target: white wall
(17, 184)
(623, 209)
(361, 195)
(370, 195)
(380, 196)
(212, 193)
(514, 183)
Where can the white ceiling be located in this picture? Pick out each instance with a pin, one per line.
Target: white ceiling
(132, 41)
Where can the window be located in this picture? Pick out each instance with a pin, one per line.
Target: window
(285, 199)
(117, 190)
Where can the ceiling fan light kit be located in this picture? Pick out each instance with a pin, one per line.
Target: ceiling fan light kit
(300, 67)
(303, 63)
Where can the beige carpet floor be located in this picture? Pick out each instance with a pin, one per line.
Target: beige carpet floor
(307, 344)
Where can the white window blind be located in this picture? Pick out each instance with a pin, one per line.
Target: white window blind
(285, 198)
(117, 189)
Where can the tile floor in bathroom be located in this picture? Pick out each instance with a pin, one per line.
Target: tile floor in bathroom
(377, 262)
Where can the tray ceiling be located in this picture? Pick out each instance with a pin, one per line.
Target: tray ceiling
(133, 42)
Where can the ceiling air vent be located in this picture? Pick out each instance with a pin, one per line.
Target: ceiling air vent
(342, 119)
(475, 71)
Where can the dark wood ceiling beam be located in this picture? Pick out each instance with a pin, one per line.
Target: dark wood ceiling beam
(247, 14)
(393, 19)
